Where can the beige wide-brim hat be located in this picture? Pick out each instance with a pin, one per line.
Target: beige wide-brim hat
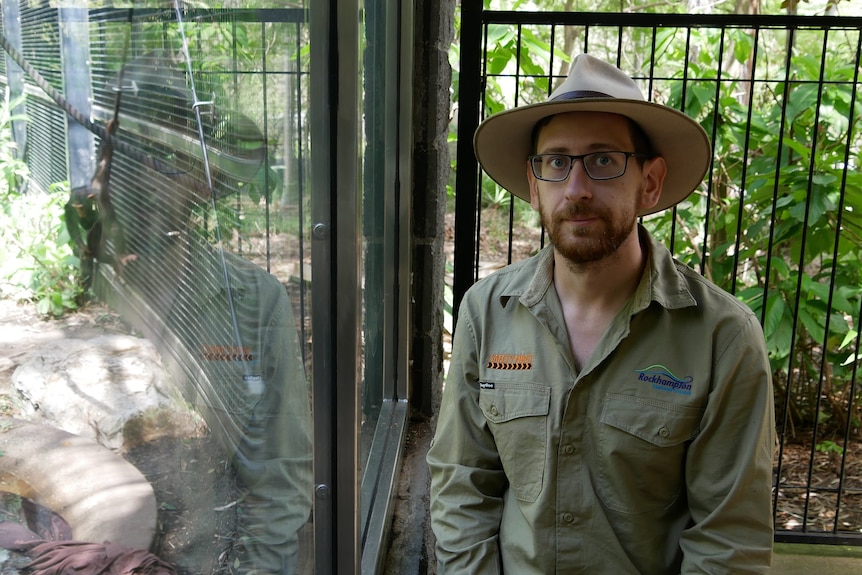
(503, 142)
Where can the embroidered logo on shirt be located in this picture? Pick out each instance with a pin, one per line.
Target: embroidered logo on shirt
(226, 353)
(510, 361)
(663, 379)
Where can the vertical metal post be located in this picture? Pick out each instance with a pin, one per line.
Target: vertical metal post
(75, 60)
(321, 107)
(347, 253)
(466, 175)
(14, 73)
(403, 321)
(335, 263)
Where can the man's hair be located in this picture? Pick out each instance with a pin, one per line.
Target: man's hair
(640, 141)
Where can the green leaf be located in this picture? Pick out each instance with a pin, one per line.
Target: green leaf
(44, 306)
(775, 310)
(499, 34)
(814, 327)
(848, 337)
(743, 47)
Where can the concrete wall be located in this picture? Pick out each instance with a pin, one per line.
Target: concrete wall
(433, 35)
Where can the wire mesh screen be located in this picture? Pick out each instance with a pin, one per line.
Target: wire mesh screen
(201, 240)
(46, 133)
(776, 221)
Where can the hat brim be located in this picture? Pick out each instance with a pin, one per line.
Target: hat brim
(503, 142)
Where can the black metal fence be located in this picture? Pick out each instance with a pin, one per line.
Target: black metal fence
(776, 222)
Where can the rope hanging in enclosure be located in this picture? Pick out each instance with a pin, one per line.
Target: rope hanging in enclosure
(101, 131)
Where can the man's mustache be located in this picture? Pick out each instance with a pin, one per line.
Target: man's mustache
(578, 211)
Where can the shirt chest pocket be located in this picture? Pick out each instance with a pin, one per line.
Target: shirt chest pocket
(641, 452)
(517, 416)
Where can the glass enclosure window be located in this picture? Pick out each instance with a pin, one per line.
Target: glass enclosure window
(198, 125)
(219, 274)
(386, 113)
(272, 281)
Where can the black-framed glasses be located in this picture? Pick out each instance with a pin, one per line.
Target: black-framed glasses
(598, 165)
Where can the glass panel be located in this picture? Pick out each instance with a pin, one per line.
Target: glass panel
(386, 58)
(374, 191)
(224, 276)
(205, 251)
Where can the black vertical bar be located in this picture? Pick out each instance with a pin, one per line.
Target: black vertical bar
(812, 165)
(851, 395)
(466, 175)
(705, 249)
(785, 413)
(323, 107)
(740, 215)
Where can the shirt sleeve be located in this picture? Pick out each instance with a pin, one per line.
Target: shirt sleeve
(467, 478)
(729, 464)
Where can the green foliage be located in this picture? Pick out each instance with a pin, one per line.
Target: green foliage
(525, 52)
(782, 184)
(13, 171)
(36, 262)
(828, 447)
(778, 223)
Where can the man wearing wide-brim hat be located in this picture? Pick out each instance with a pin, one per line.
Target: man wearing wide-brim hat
(607, 409)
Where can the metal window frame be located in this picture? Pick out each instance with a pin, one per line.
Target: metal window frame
(350, 536)
(352, 522)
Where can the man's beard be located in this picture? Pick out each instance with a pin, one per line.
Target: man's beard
(586, 245)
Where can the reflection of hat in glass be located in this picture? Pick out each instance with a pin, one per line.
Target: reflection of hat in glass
(504, 141)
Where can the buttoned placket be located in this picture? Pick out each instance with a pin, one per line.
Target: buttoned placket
(574, 500)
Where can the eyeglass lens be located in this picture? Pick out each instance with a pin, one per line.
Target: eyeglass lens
(599, 165)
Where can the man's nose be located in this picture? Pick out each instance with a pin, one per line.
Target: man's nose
(579, 185)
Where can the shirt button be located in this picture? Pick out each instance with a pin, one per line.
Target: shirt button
(568, 449)
(494, 411)
(568, 517)
(664, 432)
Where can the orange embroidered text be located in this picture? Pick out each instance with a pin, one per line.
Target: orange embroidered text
(510, 361)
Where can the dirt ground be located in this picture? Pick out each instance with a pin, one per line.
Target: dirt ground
(815, 509)
(191, 478)
(197, 499)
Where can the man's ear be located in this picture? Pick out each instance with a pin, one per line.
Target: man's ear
(654, 172)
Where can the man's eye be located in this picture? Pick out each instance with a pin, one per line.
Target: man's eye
(557, 162)
(603, 160)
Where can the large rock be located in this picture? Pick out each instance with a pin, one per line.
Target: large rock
(92, 387)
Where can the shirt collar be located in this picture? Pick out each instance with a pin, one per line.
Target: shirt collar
(661, 282)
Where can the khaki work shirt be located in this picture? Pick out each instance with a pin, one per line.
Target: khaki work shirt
(655, 458)
(243, 369)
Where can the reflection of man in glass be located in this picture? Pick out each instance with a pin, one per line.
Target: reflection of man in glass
(231, 326)
(244, 342)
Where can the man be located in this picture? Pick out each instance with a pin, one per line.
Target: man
(230, 326)
(607, 410)
(247, 370)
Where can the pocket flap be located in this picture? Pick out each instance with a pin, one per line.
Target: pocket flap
(658, 422)
(512, 400)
